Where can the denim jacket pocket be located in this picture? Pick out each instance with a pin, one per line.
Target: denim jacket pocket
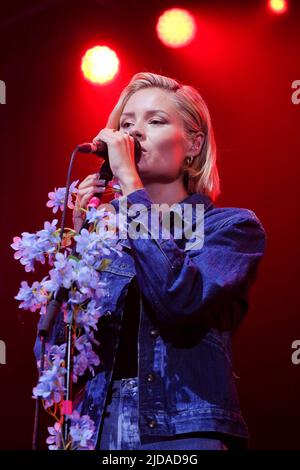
(214, 339)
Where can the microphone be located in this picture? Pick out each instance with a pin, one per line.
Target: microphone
(100, 148)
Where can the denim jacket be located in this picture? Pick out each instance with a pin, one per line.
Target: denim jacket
(191, 303)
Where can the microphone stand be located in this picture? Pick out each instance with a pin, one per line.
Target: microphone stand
(67, 407)
(55, 304)
(53, 310)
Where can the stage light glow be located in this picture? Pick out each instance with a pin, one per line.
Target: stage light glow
(100, 64)
(176, 27)
(278, 6)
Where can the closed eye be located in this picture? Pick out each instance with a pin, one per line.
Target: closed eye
(153, 121)
(126, 124)
(156, 121)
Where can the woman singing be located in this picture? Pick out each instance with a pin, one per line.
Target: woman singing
(166, 380)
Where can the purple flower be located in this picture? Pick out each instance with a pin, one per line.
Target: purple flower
(93, 246)
(87, 358)
(57, 198)
(31, 247)
(63, 273)
(110, 230)
(88, 317)
(27, 250)
(51, 386)
(94, 215)
(48, 237)
(57, 354)
(33, 298)
(89, 246)
(88, 280)
(80, 365)
(84, 342)
(81, 431)
(77, 298)
(55, 437)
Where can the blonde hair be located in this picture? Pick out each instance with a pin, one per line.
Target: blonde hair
(201, 176)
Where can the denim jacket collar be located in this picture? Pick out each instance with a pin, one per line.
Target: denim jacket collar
(197, 198)
(194, 198)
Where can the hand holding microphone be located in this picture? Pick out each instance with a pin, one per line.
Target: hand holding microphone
(124, 154)
(120, 152)
(101, 147)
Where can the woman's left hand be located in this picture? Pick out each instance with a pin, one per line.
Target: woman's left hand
(121, 158)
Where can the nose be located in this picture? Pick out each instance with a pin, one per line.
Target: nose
(136, 133)
(137, 129)
(138, 136)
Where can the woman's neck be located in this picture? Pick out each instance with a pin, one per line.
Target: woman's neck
(169, 193)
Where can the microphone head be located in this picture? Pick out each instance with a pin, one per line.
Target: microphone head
(90, 147)
(100, 148)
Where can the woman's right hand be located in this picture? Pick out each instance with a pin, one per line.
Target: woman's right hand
(88, 187)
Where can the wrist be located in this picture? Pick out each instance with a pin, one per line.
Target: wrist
(130, 184)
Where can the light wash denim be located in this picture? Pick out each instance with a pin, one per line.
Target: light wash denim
(120, 430)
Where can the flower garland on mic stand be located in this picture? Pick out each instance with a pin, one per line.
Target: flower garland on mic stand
(80, 274)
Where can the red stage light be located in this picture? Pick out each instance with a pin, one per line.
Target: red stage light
(176, 27)
(278, 6)
(100, 64)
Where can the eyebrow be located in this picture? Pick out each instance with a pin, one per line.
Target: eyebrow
(148, 113)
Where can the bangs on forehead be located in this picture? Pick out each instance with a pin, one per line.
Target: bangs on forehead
(172, 111)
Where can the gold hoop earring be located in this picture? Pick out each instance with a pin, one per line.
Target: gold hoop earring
(189, 161)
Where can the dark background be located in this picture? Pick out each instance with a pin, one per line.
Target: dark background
(243, 60)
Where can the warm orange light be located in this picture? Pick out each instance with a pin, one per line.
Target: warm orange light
(100, 64)
(278, 6)
(176, 27)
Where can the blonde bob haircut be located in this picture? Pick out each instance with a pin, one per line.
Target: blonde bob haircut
(200, 176)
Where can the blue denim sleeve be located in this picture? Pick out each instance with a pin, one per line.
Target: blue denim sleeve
(181, 284)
